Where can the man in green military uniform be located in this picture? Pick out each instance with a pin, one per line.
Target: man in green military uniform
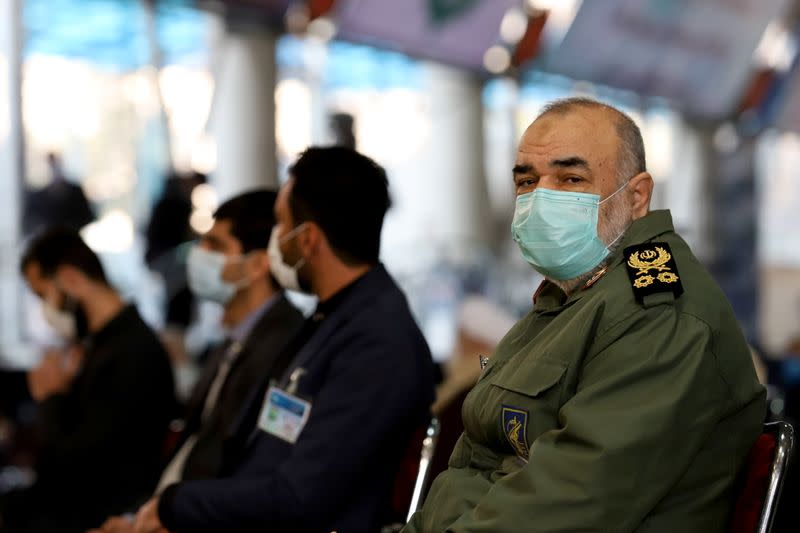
(626, 400)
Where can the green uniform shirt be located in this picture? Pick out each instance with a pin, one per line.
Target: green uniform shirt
(599, 412)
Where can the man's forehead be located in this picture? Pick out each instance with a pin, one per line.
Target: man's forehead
(578, 122)
(220, 237)
(585, 133)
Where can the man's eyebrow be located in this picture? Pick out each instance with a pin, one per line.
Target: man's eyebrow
(523, 169)
(569, 162)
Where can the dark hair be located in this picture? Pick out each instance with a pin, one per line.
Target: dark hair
(57, 247)
(252, 217)
(347, 195)
(631, 160)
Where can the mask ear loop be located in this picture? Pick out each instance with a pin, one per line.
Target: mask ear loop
(609, 245)
(244, 281)
(293, 233)
(614, 193)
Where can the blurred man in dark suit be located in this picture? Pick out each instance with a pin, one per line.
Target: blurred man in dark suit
(230, 266)
(319, 449)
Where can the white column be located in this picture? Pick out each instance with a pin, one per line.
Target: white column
(11, 162)
(454, 160)
(243, 120)
(436, 171)
(316, 58)
(687, 189)
(502, 136)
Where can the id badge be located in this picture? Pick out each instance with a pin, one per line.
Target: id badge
(283, 415)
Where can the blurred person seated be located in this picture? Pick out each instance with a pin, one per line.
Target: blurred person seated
(762, 371)
(787, 376)
(319, 449)
(17, 428)
(60, 203)
(169, 220)
(626, 399)
(168, 228)
(230, 266)
(104, 401)
(342, 126)
(784, 374)
(481, 325)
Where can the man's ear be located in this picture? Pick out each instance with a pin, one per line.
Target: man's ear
(641, 190)
(257, 264)
(310, 239)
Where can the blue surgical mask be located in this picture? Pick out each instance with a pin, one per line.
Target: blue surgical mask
(204, 272)
(557, 232)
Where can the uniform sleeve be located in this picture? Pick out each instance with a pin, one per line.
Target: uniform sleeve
(643, 407)
(415, 524)
(366, 398)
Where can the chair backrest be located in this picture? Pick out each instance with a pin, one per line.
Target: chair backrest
(172, 437)
(412, 475)
(763, 479)
(426, 455)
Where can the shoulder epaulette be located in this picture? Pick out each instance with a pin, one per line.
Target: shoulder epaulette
(652, 270)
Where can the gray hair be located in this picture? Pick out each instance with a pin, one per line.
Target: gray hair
(631, 158)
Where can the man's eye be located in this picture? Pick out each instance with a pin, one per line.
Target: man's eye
(574, 179)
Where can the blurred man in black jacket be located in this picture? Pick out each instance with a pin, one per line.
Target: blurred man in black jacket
(104, 402)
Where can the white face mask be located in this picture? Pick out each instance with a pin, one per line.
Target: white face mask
(285, 274)
(204, 274)
(62, 322)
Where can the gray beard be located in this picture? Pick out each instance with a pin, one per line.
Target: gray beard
(618, 218)
(570, 285)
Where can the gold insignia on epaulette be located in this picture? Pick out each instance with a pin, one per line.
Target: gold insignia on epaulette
(651, 259)
(668, 277)
(652, 269)
(647, 260)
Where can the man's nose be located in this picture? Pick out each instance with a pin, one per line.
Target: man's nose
(547, 182)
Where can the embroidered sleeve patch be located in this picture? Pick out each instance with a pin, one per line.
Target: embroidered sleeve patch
(515, 427)
(652, 269)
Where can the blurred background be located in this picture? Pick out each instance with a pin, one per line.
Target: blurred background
(133, 119)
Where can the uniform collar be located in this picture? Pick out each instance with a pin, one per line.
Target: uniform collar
(645, 229)
(327, 307)
(549, 297)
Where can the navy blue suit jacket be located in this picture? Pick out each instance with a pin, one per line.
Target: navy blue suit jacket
(369, 377)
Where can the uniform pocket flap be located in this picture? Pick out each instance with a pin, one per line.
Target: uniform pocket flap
(530, 378)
